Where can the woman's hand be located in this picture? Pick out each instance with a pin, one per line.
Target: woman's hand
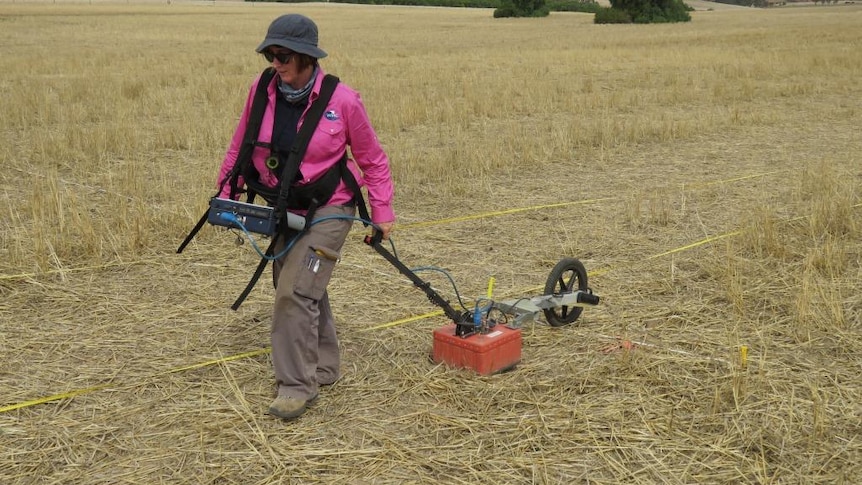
(385, 228)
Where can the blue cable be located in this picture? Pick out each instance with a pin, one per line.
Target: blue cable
(227, 216)
(477, 314)
(452, 281)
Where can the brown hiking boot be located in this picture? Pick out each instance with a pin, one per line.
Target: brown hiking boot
(326, 379)
(289, 407)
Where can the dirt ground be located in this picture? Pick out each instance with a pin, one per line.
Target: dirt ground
(173, 384)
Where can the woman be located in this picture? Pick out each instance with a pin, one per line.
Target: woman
(304, 344)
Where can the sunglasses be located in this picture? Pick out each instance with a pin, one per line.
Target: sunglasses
(282, 56)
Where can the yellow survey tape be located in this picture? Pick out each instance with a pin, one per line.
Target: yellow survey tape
(55, 397)
(79, 268)
(406, 225)
(88, 390)
(485, 215)
(78, 392)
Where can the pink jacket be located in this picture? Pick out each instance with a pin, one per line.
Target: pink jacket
(345, 123)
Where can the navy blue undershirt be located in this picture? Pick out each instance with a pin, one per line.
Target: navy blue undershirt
(284, 128)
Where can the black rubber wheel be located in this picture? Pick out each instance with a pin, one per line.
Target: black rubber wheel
(568, 276)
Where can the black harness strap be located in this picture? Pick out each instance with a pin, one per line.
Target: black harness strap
(303, 137)
(353, 185)
(281, 200)
(252, 130)
(257, 272)
(194, 231)
(297, 151)
(281, 197)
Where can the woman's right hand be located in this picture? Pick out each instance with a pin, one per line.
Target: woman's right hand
(385, 229)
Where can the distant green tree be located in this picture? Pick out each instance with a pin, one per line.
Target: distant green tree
(522, 8)
(749, 3)
(608, 15)
(647, 11)
(589, 6)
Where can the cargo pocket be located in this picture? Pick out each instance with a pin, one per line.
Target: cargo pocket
(316, 271)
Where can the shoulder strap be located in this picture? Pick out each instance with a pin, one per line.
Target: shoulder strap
(297, 151)
(303, 137)
(353, 185)
(252, 130)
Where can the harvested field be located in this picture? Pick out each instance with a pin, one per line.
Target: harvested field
(706, 174)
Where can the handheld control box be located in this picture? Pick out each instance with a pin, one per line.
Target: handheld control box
(232, 213)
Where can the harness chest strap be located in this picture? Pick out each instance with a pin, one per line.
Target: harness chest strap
(291, 168)
(297, 151)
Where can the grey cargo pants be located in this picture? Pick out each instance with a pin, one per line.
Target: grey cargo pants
(304, 342)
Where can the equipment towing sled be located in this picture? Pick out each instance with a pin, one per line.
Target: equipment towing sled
(488, 338)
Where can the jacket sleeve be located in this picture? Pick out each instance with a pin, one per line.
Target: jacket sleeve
(233, 150)
(373, 162)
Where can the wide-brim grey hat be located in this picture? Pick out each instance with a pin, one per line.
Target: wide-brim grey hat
(295, 32)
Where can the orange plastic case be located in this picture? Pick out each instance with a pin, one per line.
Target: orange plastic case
(496, 351)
